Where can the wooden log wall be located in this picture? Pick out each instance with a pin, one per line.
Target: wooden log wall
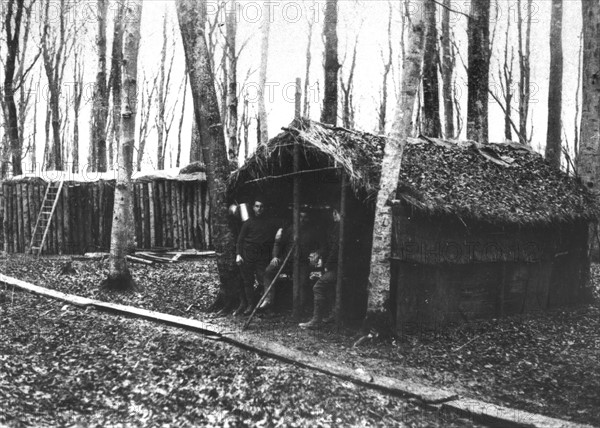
(167, 213)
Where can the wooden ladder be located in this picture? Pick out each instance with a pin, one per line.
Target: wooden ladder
(45, 216)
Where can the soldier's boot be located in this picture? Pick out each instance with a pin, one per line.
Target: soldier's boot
(242, 306)
(250, 299)
(268, 301)
(317, 318)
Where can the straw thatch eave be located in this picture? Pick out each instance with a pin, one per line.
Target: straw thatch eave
(358, 154)
(504, 183)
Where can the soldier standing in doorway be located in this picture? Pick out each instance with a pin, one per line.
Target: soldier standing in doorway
(253, 253)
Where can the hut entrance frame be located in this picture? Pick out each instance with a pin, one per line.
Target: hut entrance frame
(300, 298)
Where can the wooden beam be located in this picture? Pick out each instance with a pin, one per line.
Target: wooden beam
(340, 266)
(297, 308)
(293, 174)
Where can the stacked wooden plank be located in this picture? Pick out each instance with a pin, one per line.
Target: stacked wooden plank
(167, 213)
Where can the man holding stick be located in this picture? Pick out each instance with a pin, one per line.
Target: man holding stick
(307, 244)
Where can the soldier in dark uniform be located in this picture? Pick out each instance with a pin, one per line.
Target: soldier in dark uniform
(308, 242)
(326, 284)
(254, 247)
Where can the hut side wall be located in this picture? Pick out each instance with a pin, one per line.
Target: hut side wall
(444, 270)
(83, 218)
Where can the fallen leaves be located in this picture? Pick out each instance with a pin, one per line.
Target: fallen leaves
(66, 366)
(544, 362)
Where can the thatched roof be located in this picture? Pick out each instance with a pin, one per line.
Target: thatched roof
(358, 153)
(503, 182)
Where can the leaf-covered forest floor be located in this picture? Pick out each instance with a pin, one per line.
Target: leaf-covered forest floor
(547, 363)
(66, 366)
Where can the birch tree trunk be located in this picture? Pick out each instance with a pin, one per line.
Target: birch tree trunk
(553, 135)
(387, 66)
(588, 158)
(525, 69)
(431, 99)
(115, 88)
(478, 73)
(329, 112)
(100, 100)
(262, 79)
(447, 72)
(206, 112)
(232, 99)
(379, 276)
(306, 108)
(119, 277)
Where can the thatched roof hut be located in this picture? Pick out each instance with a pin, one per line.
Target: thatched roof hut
(450, 194)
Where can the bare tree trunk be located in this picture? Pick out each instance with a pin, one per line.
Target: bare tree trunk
(507, 77)
(264, 56)
(379, 276)
(588, 159)
(196, 144)
(47, 159)
(306, 109)
(160, 125)
(224, 88)
(115, 88)
(232, 96)
(119, 277)
(347, 92)
(10, 114)
(478, 72)
(100, 100)
(576, 118)
(146, 102)
(26, 85)
(431, 99)
(77, 94)
(246, 127)
(206, 111)
(329, 112)
(387, 66)
(55, 52)
(553, 136)
(525, 70)
(33, 146)
(447, 66)
(185, 85)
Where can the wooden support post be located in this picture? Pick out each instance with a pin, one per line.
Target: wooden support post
(19, 223)
(340, 266)
(5, 216)
(296, 194)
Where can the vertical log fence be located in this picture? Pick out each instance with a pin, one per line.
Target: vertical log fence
(168, 213)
